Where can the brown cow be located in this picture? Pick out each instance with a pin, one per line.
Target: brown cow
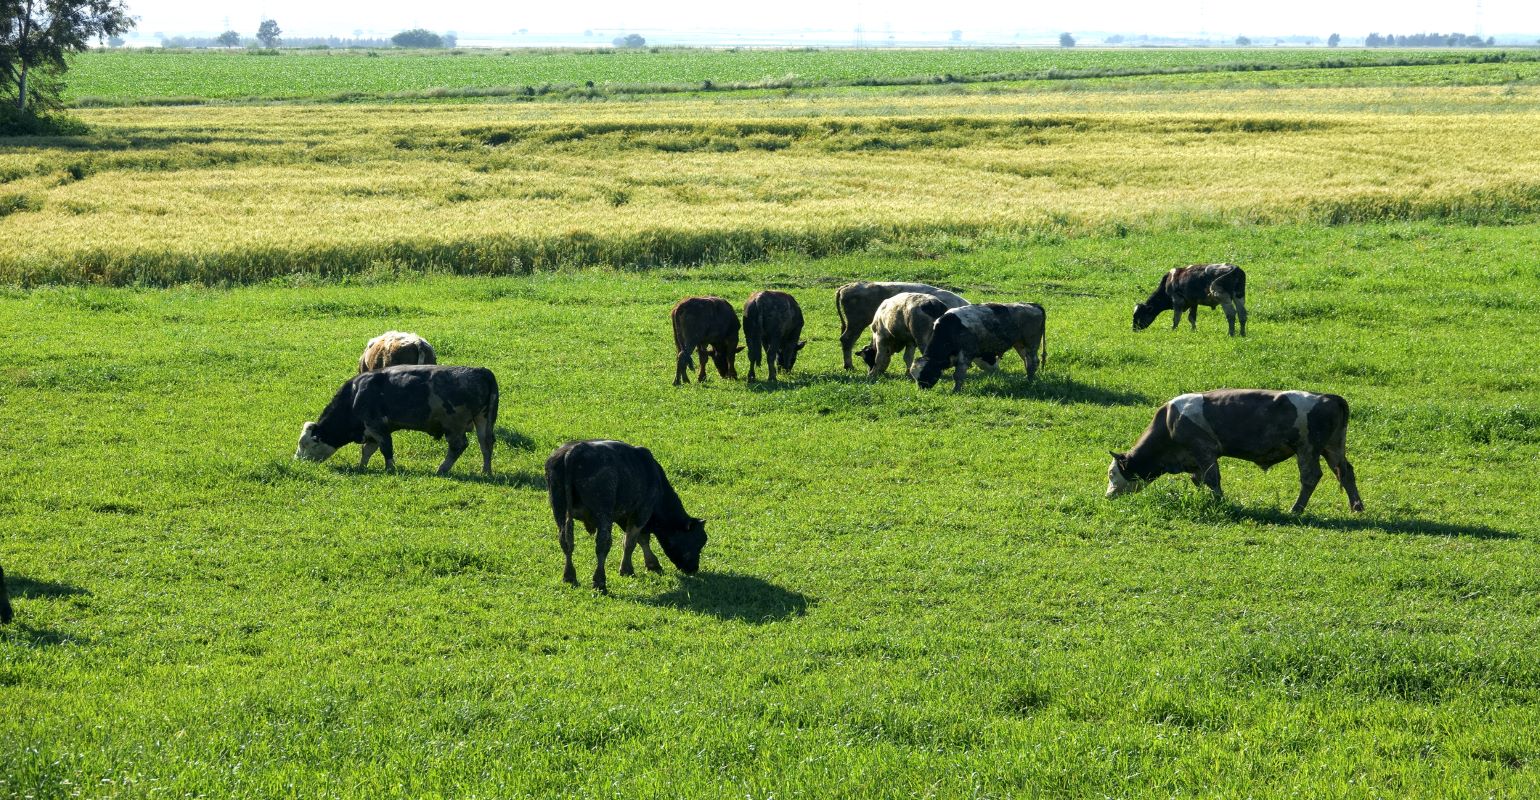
(1186, 288)
(772, 324)
(394, 348)
(710, 326)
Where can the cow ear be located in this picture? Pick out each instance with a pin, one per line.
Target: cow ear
(801, 345)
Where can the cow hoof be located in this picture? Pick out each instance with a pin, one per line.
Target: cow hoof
(654, 567)
(626, 572)
(1358, 508)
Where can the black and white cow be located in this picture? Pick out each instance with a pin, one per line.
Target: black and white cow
(772, 326)
(1190, 433)
(708, 325)
(5, 600)
(440, 401)
(603, 483)
(1183, 289)
(986, 330)
(857, 304)
(904, 322)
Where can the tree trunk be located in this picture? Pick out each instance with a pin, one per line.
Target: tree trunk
(21, 89)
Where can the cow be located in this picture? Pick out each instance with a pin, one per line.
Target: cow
(857, 304)
(903, 322)
(1186, 288)
(5, 601)
(1192, 431)
(708, 325)
(772, 324)
(394, 348)
(987, 330)
(603, 483)
(440, 401)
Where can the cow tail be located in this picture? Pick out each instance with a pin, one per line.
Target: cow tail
(679, 347)
(839, 307)
(1042, 361)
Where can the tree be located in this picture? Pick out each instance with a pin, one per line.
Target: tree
(1065, 40)
(36, 35)
(956, 36)
(629, 40)
(1243, 41)
(1333, 40)
(268, 33)
(417, 37)
(228, 39)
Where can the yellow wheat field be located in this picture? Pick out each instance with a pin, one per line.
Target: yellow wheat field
(242, 193)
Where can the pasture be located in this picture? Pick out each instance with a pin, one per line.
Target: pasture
(905, 594)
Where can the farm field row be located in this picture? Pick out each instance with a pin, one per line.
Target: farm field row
(239, 194)
(902, 589)
(128, 77)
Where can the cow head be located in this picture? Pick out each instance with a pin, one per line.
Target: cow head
(683, 547)
(1120, 479)
(788, 356)
(868, 355)
(1143, 316)
(311, 448)
(926, 371)
(726, 360)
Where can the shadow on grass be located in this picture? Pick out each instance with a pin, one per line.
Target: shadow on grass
(518, 479)
(730, 596)
(28, 636)
(514, 440)
(1410, 527)
(1050, 387)
(29, 588)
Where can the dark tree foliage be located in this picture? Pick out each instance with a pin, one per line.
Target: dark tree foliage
(1066, 40)
(228, 39)
(417, 37)
(268, 33)
(1333, 40)
(35, 37)
(1427, 40)
(629, 40)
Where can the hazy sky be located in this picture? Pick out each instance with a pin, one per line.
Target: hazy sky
(1163, 17)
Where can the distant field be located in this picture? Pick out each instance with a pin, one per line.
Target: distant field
(905, 594)
(112, 78)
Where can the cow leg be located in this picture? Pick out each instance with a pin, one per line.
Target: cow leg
(883, 358)
(602, 540)
(682, 367)
(848, 339)
(772, 354)
(564, 535)
(1177, 308)
(1240, 311)
(755, 352)
(368, 450)
(1028, 360)
(625, 554)
(1309, 475)
(701, 351)
(908, 358)
(962, 371)
(387, 449)
(986, 366)
(648, 559)
(1229, 308)
(1336, 458)
(486, 438)
(1208, 475)
(1192, 315)
(457, 444)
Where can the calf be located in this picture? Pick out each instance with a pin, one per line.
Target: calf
(5, 601)
(440, 401)
(986, 331)
(903, 322)
(857, 304)
(1186, 288)
(708, 325)
(604, 483)
(394, 348)
(772, 323)
(1191, 432)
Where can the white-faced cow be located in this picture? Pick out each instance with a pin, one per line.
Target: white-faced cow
(603, 483)
(857, 304)
(394, 348)
(987, 330)
(710, 326)
(5, 600)
(440, 401)
(1185, 288)
(1190, 433)
(772, 326)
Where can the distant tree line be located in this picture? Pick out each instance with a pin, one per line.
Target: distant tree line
(424, 38)
(233, 39)
(1428, 40)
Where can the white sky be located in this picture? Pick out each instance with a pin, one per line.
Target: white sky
(1352, 18)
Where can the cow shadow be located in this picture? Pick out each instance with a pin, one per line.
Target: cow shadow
(517, 479)
(28, 635)
(29, 588)
(1405, 527)
(730, 596)
(513, 440)
(1051, 387)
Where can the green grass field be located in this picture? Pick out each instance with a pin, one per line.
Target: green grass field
(906, 594)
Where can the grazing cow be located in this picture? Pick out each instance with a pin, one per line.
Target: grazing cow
(708, 325)
(772, 323)
(987, 330)
(857, 304)
(1191, 432)
(1186, 288)
(903, 322)
(440, 401)
(394, 348)
(603, 483)
(5, 601)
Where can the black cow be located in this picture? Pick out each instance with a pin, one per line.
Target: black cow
(1186, 288)
(604, 483)
(440, 401)
(5, 600)
(709, 325)
(772, 324)
(857, 304)
(1191, 432)
(986, 331)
